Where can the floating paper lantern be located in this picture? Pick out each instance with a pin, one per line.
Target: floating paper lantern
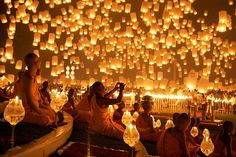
(18, 65)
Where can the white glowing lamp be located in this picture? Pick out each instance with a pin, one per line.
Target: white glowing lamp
(169, 124)
(194, 131)
(111, 110)
(58, 100)
(206, 133)
(131, 135)
(14, 111)
(135, 115)
(126, 118)
(158, 123)
(207, 146)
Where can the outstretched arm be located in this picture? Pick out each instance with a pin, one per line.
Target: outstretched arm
(104, 102)
(107, 95)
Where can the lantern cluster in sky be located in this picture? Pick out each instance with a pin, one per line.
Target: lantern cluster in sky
(152, 37)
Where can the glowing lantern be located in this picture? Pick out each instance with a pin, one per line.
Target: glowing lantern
(207, 146)
(9, 53)
(14, 113)
(18, 65)
(51, 38)
(131, 135)
(47, 64)
(54, 60)
(194, 131)
(2, 69)
(126, 118)
(206, 133)
(169, 124)
(110, 110)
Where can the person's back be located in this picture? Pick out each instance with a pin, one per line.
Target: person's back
(144, 123)
(173, 140)
(223, 143)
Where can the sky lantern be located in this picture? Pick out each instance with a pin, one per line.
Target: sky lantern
(149, 36)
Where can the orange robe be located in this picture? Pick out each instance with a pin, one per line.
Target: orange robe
(168, 145)
(84, 109)
(220, 149)
(69, 107)
(101, 122)
(46, 118)
(145, 131)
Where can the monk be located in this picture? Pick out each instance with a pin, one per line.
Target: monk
(144, 123)
(101, 121)
(69, 107)
(83, 109)
(223, 143)
(117, 115)
(173, 140)
(45, 95)
(136, 107)
(17, 84)
(35, 111)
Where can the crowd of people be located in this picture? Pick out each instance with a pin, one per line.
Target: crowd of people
(93, 110)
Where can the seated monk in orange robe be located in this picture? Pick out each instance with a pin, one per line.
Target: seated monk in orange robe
(173, 140)
(223, 143)
(144, 123)
(69, 107)
(117, 115)
(35, 111)
(101, 121)
(83, 110)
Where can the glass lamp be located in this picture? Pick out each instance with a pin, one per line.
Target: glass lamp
(14, 113)
(131, 136)
(126, 118)
(169, 124)
(194, 131)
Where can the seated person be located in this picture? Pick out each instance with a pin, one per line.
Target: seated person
(144, 123)
(45, 95)
(35, 111)
(223, 143)
(173, 140)
(69, 107)
(174, 117)
(136, 107)
(117, 115)
(83, 109)
(101, 121)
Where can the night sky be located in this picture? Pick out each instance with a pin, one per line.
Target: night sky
(24, 38)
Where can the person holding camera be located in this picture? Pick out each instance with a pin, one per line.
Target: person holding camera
(101, 121)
